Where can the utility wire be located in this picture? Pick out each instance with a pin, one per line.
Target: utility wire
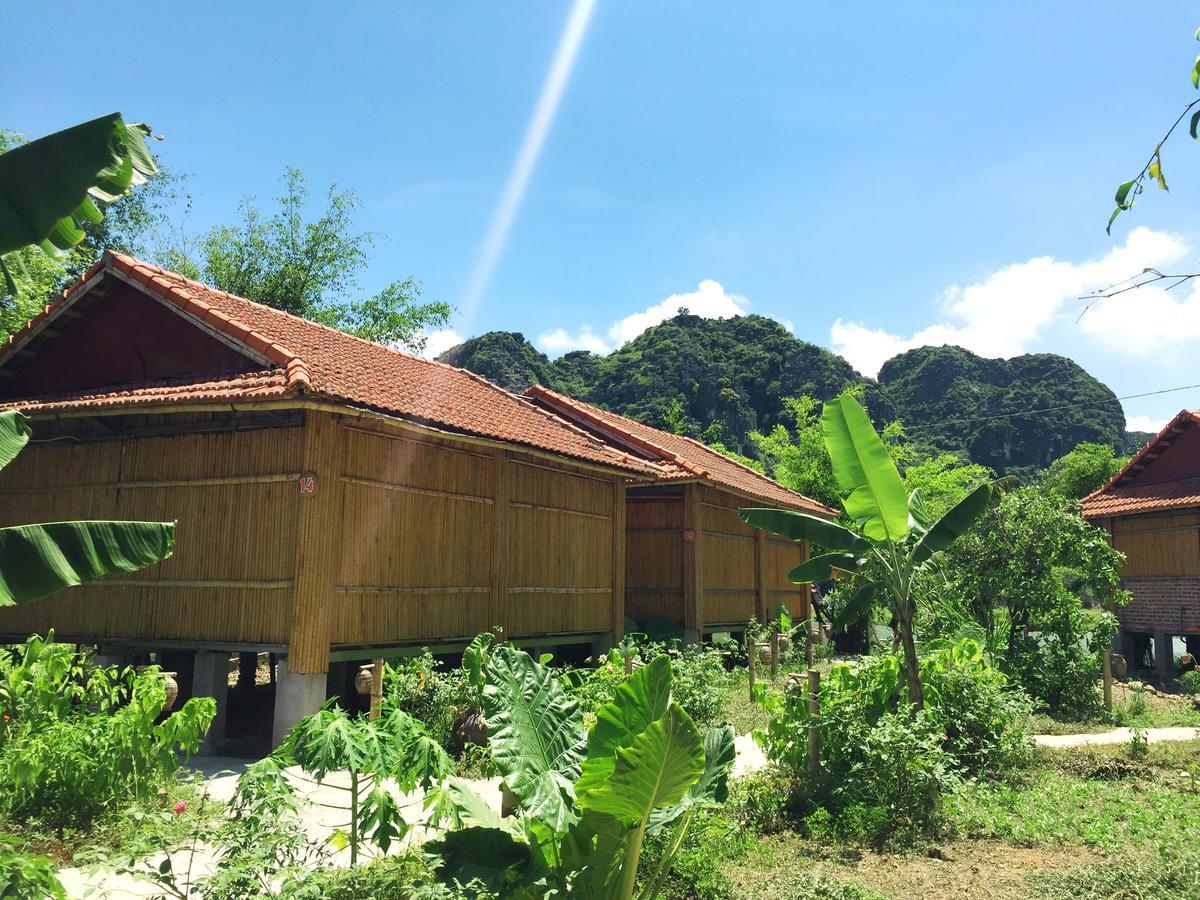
(1034, 412)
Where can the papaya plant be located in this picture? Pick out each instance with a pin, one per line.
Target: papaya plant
(891, 535)
(585, 800)
(36, 560)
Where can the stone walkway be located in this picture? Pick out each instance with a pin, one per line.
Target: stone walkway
(1116, 736)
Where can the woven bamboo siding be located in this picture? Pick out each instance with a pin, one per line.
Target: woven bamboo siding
(653, 559)
(415, 558)
(780, 557)
(235, 498)
(560, 551)
(1159, 545)
(421, 518)
(729, 560)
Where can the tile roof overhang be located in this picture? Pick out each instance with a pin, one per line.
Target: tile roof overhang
(690, 459)
(1126, 494)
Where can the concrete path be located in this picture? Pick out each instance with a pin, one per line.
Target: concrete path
(1116, 736)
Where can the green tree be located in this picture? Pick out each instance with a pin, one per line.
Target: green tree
(1082, 471)
(894, 536)
(309, 267)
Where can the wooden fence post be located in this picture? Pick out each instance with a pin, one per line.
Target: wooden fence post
(775, 657)
(814, 709)
(751, 659)
(376, 687)
(1108, 679)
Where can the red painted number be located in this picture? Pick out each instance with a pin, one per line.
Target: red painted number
(308, 484)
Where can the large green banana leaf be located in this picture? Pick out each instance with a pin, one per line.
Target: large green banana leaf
(656, 769)
(802, 527)
(958, 519)
(856, 607)
(47, 186)
(639, 700)
(14, 435)
(36, 560)
(536, 735)
(873, 491)
(820, 568)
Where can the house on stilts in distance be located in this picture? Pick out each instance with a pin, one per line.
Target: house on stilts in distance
(1151, 510)
(338, 501)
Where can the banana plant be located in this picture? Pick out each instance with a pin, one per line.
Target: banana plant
(890, 535)
(36, 560)
(51, 187)
(585, 801)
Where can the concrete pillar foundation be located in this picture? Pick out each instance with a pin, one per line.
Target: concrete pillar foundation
(1164, 656)
(296, 696)
(210, 678)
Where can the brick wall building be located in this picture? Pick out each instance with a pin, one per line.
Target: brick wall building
(1151, 509)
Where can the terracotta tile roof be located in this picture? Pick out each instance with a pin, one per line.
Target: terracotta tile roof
(314, 360)
(689, 459)
(1126, 494)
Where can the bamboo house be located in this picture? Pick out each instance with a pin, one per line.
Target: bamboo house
(339, 501)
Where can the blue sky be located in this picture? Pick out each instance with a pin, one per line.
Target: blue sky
(869, 174)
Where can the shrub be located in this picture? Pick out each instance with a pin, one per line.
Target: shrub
(430, 695)
(698, 684)
(25, 876)
(1190, 681)
(78, 739)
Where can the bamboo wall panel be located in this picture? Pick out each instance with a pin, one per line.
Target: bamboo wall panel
(1159, 545)
(781, 557)
(415, 560)
(653, 559)
(729, 560)
(234, 496)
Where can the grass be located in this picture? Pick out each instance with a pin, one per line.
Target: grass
(1134, 708)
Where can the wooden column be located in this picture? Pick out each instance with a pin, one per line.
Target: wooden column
(318, 545)
(618, 559)
(760, 575)
(805, 589)
(501, 510)
(693, 565)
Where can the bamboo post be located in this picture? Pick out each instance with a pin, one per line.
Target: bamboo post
(628, 663)
(376, 687)
(814, 709)
(752, 659)
(775, 657)
(1108, 679)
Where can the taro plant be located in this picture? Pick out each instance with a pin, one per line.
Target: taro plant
(585, 801)
(395, 746)
(36, 560)
(892, 536)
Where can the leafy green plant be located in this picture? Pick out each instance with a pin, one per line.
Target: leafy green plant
(585, 800)
(36, 560)
(79, 738)
(895, 536)
(395, 746)
(1190, 681)
(26, 876)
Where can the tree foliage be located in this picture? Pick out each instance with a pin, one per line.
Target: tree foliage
(1081, 471)
(309, 266)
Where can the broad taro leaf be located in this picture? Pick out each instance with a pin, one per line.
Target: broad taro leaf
(535, 733)
(47, 186)
(802, 527)
(36, 560)
(713, 786)
(14, 435)
(639, 700)
(475, 656)
(958, 519)
(873, 491)
(492, 855)
(820, 568)
(596, 852)
(657, 769)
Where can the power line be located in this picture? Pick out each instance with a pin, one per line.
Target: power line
(1034, 412)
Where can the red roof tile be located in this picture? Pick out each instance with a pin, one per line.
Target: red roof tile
(321, 362)
(690, 458)
(1126, 493)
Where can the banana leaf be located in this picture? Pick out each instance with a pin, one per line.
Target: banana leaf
(873, 491)
(36, 560)
(820, 568)
(14, 435)
(802, 527)
(856, 607)
(958, 519)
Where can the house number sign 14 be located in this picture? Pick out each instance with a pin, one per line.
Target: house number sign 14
(308, 484)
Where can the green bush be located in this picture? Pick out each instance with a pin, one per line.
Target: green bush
(824, 887)
(1190, 681)
(77, 740)
(699, 681)
(430, 695)
(26, 876)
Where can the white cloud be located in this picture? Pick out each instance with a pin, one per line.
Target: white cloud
(1002, 314)
(437, 342)
(1144, 423)
(1146, 321)
(709, 300)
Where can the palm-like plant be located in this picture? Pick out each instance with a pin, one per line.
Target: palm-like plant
(51, 187)
(891, 535)
(36, 560)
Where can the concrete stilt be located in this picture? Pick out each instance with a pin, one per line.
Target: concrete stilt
(1164, 655)
(296, 696)
(210, 678)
